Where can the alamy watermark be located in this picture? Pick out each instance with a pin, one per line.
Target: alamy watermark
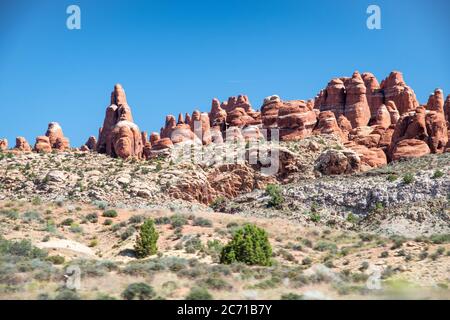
(373, 22)
(73, 21)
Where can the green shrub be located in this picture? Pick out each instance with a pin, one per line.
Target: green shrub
(67, 294)
(76, 228)
(67, 222)
(440, 238)
(198, 293)
(392, 177)
(162, 220)
(352, 218)
(325, 246)
(92, 217)
(202, 222)
(315, 217)
(408, 178)
(276, 198)
(384, 254)
(437, 174)
(127, 233)
(146, 241)
(136, 219)
(219, 201)
(291, 296)
(306, 261)
(108, 222)
(216, 283)
(178, 220)
(11, 214)
(249, 245)
(138, 290)
(31, 216)
(22, 248)
(110, 213)
(36, 201)
(193, 244)
(56, 259)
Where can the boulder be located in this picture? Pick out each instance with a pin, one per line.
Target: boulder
(333, 162)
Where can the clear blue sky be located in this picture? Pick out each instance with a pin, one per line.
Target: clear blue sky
(174, 56)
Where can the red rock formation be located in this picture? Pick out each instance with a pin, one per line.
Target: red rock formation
(332, 98)
(200, 126)
(395, 89)
(233, 134)
(382, 117)
(163, 143)
(3, 144)
(371, 157)
(153, 138)
(119, 136)
(374, 94)
(56, 137)
(42, 145)
(295, 120)
(91, 143)
(392, 109)
(357, 109)
(126, 140)
(447, 110)
(61, 144)
(411, 126)
(344, 124)
(437, 131)
(187, 118)
(409, 148)
(22, 145)
(328, 125)
(436, 101)
(217, 115)
(269, 111)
